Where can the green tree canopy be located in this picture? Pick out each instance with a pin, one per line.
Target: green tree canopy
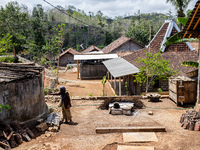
(153, 67)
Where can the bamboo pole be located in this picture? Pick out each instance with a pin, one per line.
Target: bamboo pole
(77, 69)
(108, 75)
(198, 83)
(120, 89)
(111, 81)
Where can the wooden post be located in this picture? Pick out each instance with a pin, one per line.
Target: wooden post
(77, 69)
(120, 89)
(111, 81)
(115, 86)
(108, 75)
(198, 83)
(128, 84)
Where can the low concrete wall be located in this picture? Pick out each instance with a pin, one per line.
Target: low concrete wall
(92, 71)
(26, 98)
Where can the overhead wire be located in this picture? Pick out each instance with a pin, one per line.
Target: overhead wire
(73, 17)
(68, 14)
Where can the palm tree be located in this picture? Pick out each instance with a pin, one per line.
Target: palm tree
(180, 6)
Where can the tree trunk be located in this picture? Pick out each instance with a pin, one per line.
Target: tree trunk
(147, 85)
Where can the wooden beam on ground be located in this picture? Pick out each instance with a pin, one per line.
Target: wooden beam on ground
(120, 87)
(77, 69)
(130, 129)
(3, 144)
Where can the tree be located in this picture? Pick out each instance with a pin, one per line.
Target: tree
(153, 67)
(103, 82)
(5, 43)
(107, 38)
(38, 33)
(60, 42)
(14, 19)
(180, 6)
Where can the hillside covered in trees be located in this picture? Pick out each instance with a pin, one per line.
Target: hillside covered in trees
(36, 31)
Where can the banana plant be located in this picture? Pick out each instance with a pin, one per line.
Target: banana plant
(190, 64)
(176, 38)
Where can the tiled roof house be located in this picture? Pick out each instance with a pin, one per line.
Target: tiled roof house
(91, 49)
(175, 53)
(122, 44)
(67, 57)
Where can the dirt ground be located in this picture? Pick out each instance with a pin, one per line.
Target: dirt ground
(78, 87)
(89, 117)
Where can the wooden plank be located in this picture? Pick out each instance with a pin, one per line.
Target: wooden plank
(9, 136)
(132, 147)
(120, 89)
(139, 137)
(130, 129)
(77, 69)
(173, 96)
(3, 144)
(4, 134)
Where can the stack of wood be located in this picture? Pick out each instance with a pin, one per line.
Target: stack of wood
(190, 120)
(12, 135)
(52, 123)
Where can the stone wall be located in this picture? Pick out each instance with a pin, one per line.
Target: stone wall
(26, 98)
(92, 71)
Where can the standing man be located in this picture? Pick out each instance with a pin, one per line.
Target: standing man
(65, 104)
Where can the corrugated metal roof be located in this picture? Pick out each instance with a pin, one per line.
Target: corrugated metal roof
(93, 56)
(119, 67)
(95, 52)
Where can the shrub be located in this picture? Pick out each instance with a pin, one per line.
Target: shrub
(91, 95)
(8, 59)
(46, 91)
(159, 90)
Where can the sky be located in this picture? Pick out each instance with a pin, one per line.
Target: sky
(110, 8)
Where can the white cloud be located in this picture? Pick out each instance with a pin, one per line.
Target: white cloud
(110, 8)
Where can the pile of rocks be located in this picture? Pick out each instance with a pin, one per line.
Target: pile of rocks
(12, 135)
(190, 120)
(52, 98)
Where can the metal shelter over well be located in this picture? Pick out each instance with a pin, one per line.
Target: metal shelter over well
(119, 67)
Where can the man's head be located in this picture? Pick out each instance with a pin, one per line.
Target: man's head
(62, 89)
